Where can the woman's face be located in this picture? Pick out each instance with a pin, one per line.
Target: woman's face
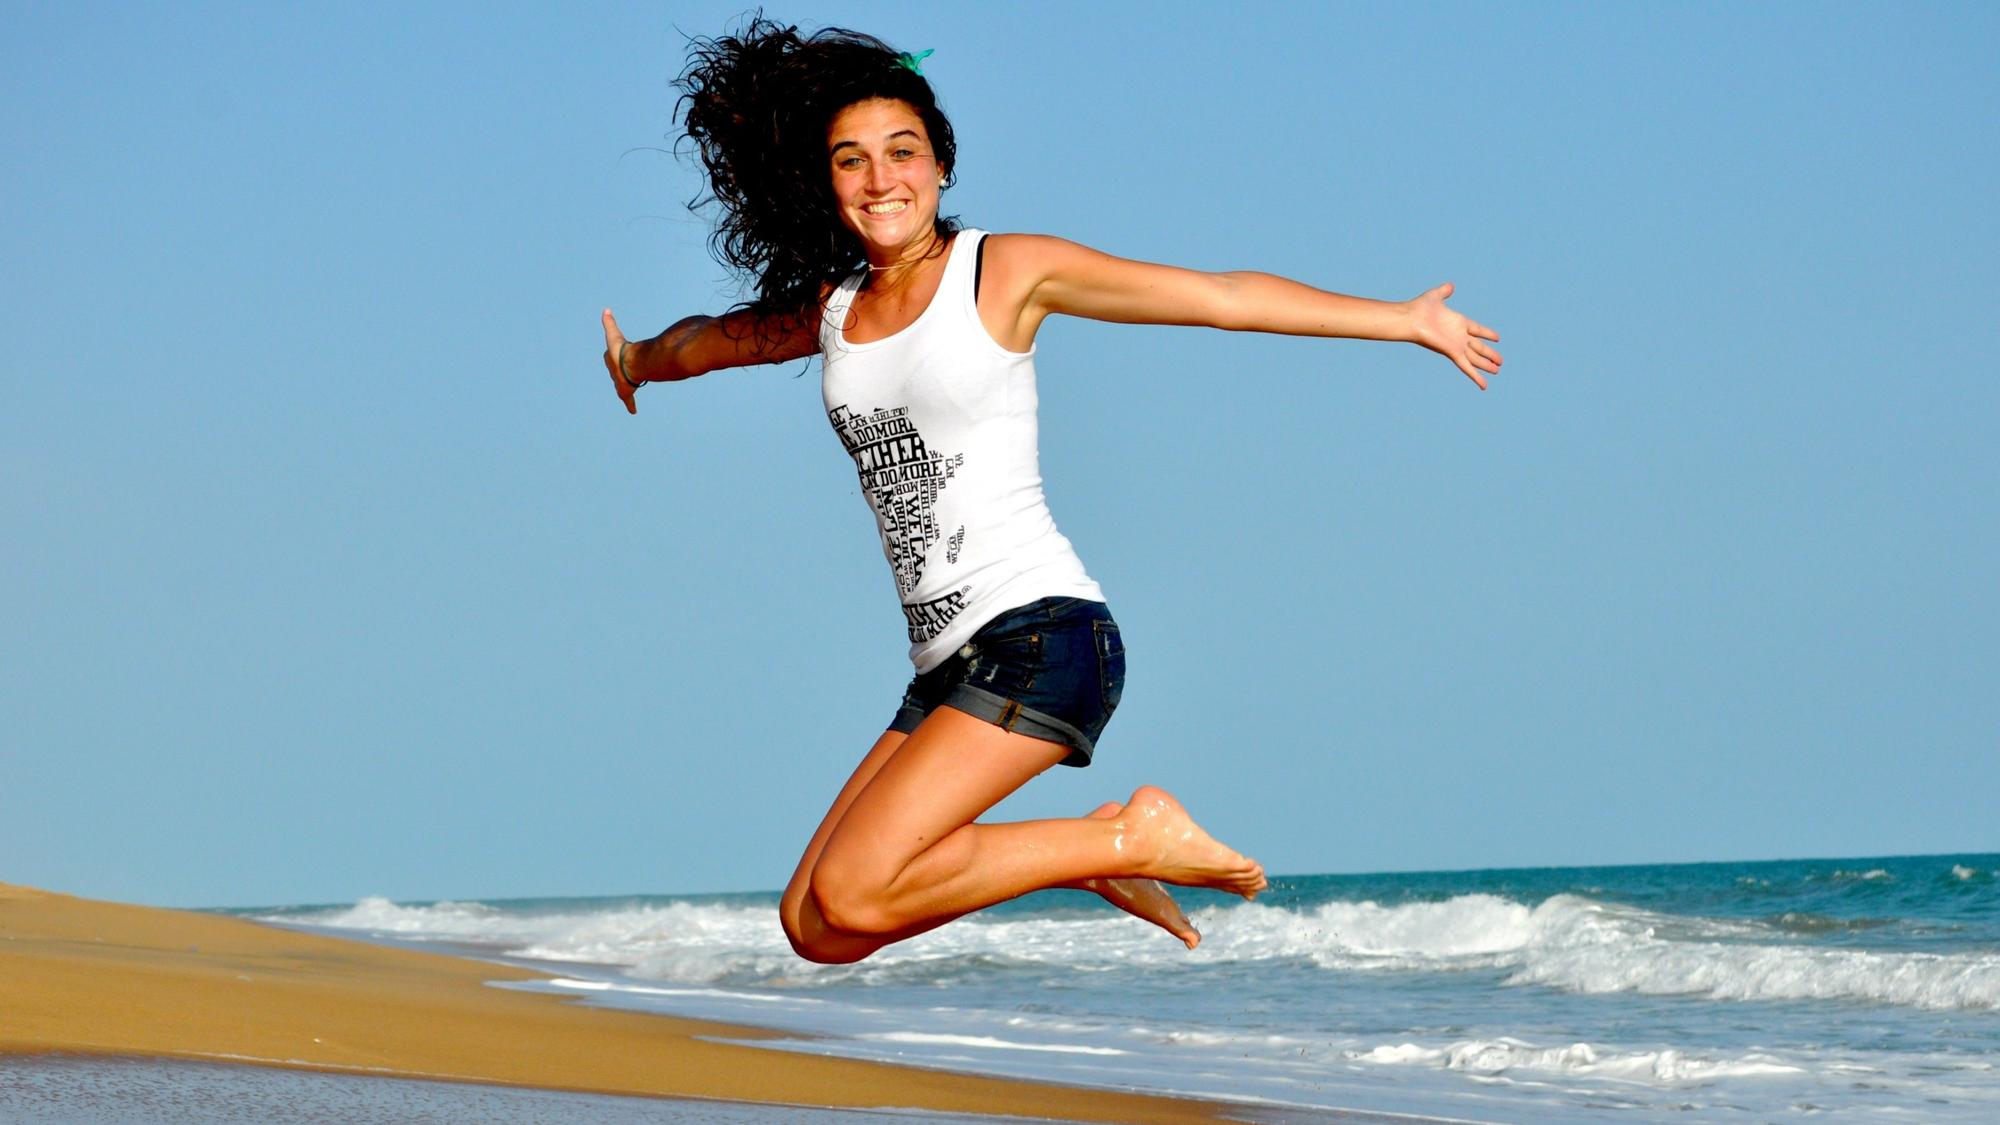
(885, 178)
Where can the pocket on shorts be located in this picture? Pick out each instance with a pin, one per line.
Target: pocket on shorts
(1110, 663)
(1007, 663)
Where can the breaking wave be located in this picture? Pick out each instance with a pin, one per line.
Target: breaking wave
(1504, 1056)
(1567, 942)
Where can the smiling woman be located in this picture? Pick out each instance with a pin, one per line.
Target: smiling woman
(886, 179)
(827, 155)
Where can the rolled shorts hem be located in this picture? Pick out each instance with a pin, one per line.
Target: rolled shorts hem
(1008, 715)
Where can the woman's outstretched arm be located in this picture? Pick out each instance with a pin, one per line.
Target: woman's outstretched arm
(1041, 275)
(698, 345)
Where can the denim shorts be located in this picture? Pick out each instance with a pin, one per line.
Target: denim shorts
(1052, 669)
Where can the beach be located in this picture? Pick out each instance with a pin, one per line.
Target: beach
(88, 979)
(1863, 987)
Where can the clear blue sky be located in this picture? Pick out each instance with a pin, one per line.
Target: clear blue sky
(332, 567)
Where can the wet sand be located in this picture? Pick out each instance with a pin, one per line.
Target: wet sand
(82, 982)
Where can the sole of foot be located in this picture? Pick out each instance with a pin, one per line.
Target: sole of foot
(1182, 851)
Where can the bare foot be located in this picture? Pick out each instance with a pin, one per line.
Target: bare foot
(1141, 898)
(1177, 850)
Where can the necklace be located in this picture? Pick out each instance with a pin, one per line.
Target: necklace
(935, 249)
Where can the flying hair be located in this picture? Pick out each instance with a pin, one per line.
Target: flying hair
(756, 106)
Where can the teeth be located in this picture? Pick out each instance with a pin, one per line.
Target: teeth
(884, 208)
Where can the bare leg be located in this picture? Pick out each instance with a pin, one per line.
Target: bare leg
(812, 937)
(1141, 898)
(809, 933)
(905, 855)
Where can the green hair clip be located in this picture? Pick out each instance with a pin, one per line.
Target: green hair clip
(913, 62)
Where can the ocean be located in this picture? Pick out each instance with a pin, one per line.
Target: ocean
(1868, 989)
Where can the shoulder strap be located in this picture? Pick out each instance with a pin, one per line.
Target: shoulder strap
(966, 260)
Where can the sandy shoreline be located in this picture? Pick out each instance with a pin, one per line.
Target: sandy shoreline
(79, 976)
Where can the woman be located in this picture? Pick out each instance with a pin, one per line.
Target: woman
(827, 155)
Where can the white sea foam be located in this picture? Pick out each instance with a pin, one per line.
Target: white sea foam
(733, 995)
(1567, 942)
(466, 920)
(1579, 945)
(1589, 947)
(1339, 935)
(1501, 1056)
(987, 1041)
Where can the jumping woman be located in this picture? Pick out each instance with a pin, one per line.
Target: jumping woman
(826, 155)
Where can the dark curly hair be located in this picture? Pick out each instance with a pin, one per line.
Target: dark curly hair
(757, 105)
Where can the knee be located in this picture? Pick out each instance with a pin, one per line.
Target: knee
(850, 901)
(813, 938)
(794, 926)
(825, 949)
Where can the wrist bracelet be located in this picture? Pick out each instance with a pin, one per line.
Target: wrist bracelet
(622, 373)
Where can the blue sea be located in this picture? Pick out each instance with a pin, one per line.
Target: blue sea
(1866, 989)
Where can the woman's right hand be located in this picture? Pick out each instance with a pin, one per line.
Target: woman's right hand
(614, 343)
(1452, 334)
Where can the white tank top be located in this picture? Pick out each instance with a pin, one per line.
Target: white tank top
(940, 421)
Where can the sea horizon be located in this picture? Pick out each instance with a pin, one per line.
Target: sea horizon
(499, 899)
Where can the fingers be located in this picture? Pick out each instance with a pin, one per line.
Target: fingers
(1474, 359)
(627, 393)
(1479, 358)
(613, 340)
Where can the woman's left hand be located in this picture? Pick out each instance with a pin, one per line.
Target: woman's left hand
(1453, 335)
(614, 347)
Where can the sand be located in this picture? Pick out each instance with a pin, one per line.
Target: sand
(98, 978)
